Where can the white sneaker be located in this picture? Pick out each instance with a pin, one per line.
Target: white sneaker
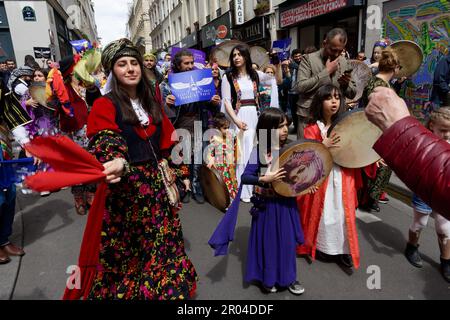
(296, 288)
(45, 193)
(246, 200)
(271, 290)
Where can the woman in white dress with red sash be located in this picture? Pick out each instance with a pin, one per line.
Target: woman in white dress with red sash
(240, 103)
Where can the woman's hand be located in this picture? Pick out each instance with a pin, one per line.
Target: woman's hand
(242, 125)
(37, 161)
(114, 170)
(332, 141)
(273, 176)
(32, 103)
(216, 100)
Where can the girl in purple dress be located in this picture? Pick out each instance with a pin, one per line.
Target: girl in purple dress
(276, 229)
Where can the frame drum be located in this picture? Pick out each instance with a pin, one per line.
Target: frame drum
(214, 189)
(307, 163)
(358, 136)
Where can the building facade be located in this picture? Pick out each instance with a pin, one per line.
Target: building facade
(53, 24)
(139, 25)
(82, 18)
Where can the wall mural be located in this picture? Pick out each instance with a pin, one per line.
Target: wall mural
(428, 25)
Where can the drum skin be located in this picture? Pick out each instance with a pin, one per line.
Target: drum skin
(38, 93)
(361, 74)
(358, 136)
(307, 163)
(214, 189)
(410, 56)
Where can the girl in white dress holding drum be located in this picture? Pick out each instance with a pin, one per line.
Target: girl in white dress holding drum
(240, 102)
(329, 212)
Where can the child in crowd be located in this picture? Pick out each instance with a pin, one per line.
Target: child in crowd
(276, 228)
(329, 212)
(221, 154)
(439, 124)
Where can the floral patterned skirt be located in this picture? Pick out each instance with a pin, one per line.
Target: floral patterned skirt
(142, 254)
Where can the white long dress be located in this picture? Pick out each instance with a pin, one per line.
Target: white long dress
(249, 115)
(332, 237)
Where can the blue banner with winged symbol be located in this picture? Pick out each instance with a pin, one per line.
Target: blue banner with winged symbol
(192, 86)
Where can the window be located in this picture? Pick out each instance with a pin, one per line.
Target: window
(207, 8)
(188, 10)
(179, 28)
(175, 35)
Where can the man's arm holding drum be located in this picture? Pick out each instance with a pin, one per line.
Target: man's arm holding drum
(419, 158)
(306, 81)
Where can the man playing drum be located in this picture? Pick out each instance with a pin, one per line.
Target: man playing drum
(322, 67)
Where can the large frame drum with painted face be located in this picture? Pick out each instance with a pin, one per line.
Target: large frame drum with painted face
(358, 136)
(307, 164)
(214, 188)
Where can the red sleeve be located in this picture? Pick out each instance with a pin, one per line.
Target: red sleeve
(167, 130)
(420, 159)
(312, 132)
(59, 88)
(102, 117)
(158, 95)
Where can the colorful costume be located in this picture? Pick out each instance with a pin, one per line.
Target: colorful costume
(142, 252)
(328, 216)
(376, 176)
(274, 234)
(243, 94)
(224, 162)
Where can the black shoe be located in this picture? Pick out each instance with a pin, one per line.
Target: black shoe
(324, 257)
(374, 207)
(445, 269)
(199, 199)
(187, 197)
(413, 255)
(346, 260)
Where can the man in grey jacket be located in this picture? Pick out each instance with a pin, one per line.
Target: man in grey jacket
(320, 68)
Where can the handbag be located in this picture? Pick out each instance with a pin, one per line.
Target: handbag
(169, 179)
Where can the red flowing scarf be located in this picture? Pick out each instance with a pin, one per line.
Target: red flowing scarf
(73, 166)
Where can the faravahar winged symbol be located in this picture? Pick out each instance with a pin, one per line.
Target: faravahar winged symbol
(194, 85)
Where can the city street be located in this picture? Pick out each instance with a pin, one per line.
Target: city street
(51, 233)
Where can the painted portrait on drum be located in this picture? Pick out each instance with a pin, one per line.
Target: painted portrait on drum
(306, 164)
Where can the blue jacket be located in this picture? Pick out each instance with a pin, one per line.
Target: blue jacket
(441, 81)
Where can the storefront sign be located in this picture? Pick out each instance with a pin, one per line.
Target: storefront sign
(252, 32)
(189, 41)
(310, 10)
(239, 11)
(216, 30)
(28, 14)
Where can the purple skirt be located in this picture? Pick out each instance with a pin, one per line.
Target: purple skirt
(275, 233)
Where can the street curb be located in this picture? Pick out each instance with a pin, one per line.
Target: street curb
(400, 193)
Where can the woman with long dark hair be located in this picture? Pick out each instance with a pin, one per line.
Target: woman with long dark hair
(240, 102)
(142, 253)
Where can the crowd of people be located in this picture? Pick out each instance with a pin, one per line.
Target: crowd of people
(129, 123)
